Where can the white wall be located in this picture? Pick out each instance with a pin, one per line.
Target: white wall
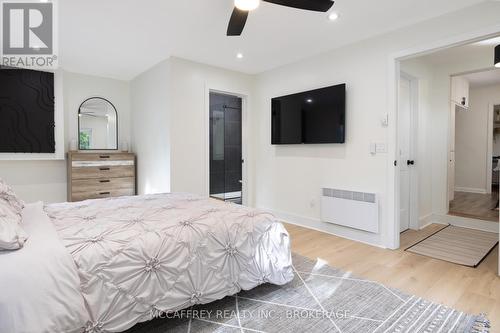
(151, 128)
(170, 123)
(288, 179)
(472, 139)
(79, 87)
(46, 180)
(190, 86)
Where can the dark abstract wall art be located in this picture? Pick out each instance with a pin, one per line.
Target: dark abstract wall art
(26, 111)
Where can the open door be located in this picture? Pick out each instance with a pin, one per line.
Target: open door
(407, 151)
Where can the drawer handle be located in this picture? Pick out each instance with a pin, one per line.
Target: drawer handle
(104, 156)
(104, 193)
(104, 181)
(104, 169)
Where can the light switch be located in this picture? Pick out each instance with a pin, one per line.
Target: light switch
(384, 120)
(381, 148)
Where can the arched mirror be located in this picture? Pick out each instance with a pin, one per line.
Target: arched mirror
(97, 125)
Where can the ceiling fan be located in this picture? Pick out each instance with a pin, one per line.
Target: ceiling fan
(243, 7)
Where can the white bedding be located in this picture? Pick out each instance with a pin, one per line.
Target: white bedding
(39, 284)
(139, 255)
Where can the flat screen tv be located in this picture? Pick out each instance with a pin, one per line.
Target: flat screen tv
(311, 117)
(26, 111)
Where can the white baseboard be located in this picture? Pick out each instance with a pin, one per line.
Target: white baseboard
(425, 221)
(471, 190)
(465, 222)
(328, 228)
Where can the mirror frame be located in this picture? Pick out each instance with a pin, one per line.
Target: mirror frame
(116, 113)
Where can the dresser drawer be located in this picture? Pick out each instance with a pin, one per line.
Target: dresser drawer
(104, 172)
(102, 185)
(79, 196)
(103, 157)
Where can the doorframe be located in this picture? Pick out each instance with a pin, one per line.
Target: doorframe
(391, 238)
(489, 155)
(245, 196)
(414, 110)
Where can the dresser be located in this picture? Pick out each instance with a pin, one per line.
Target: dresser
(100, 175)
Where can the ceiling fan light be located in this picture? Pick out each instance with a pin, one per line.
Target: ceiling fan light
(246, 5)
(497, 56)
(333, 16)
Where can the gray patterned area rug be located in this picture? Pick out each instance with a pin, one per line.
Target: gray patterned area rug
(319, 299)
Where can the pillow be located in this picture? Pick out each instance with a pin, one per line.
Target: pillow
(8, 195)
(12, 236)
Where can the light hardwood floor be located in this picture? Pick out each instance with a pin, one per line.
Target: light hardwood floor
(475, 205)
(467, 289)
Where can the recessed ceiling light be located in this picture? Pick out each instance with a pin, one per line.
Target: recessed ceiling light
(309, 100)
(246, 5)
(239, 55)
(333, 16)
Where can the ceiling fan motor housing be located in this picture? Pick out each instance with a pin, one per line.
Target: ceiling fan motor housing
(243, 7)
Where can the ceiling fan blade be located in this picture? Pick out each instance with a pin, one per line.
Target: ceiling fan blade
(237, 22)
(315, 5)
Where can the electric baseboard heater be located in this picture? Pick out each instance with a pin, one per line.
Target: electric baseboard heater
(357, 210)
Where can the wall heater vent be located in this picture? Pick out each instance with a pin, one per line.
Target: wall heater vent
(357, 210)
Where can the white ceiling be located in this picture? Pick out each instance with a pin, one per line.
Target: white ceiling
(470, 52)
(485, 78)
(122, 38)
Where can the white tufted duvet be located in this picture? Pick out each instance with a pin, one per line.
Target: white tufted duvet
(139, 255)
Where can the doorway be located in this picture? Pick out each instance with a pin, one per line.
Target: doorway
(407, 114)
(225, 159)
(434, 65)
(475, 146)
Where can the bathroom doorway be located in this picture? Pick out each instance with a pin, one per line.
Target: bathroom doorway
(226, 147)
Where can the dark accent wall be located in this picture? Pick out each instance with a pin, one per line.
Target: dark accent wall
(26, 111)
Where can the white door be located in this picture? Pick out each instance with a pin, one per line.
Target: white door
(451, 154)
(404, 140)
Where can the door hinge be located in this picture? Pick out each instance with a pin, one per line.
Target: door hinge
(396, 163)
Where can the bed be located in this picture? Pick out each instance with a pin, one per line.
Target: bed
(112, 263)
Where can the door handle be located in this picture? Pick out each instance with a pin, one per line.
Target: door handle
(410, 162)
